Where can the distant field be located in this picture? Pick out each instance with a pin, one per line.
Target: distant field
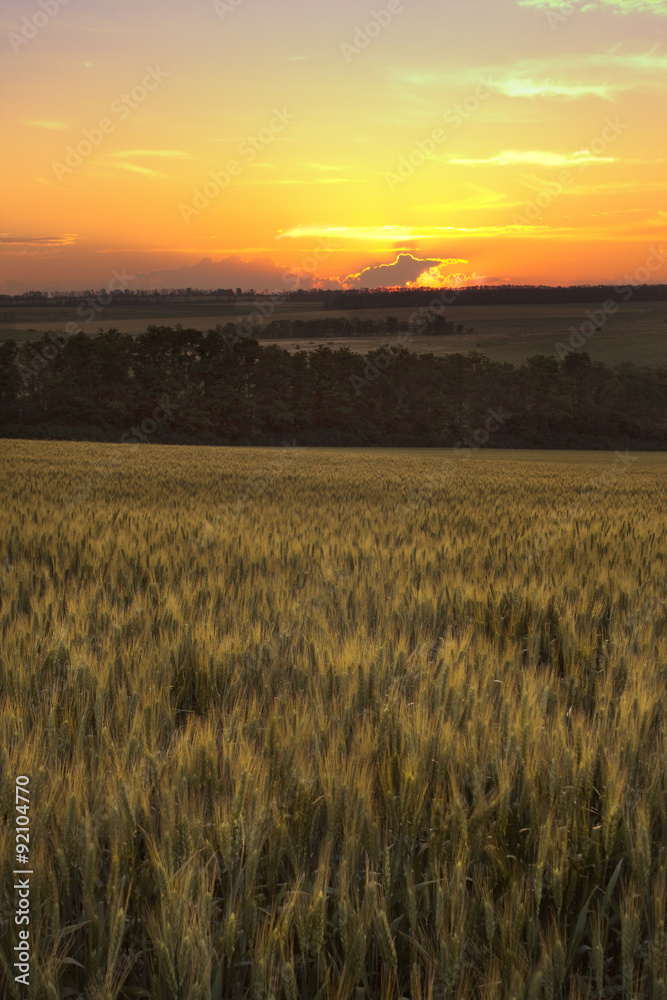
(637, 333)
(337, 724)
(136, 318)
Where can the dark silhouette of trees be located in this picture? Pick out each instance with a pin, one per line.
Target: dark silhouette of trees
(102, 387)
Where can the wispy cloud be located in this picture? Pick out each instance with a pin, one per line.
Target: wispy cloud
(13, 239)
(128, 154)
(323, 166)
(571, 77)
(50, 125)
(145, 171)
(479, 198)
(531, 87)
(617, 6)
(374, 233)
(398, 234)
(408, 238)
(614, 187)
(294, 182)
(121, 159)
(567, 77)
(512, 157)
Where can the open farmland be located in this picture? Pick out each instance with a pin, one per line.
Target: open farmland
(337, 723)
(637, 333)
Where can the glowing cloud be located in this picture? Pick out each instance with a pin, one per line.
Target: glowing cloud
(441, 277)
(405, 270)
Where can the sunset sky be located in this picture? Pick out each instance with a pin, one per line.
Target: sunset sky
(386, 143)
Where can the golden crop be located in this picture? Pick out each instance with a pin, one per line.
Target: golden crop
(334, 723)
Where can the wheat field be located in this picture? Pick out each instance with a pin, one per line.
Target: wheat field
(335, 724)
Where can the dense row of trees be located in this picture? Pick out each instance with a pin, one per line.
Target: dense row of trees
(126, 296)
(485, 295)
(358, 298)
(356, 326)
(190, 387)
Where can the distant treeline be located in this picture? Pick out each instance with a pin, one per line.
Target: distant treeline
(357, 326)
(185, 386)
(124, 297)
(357, 298)
(489, 295)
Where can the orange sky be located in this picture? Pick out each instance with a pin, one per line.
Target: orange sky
(216, 144)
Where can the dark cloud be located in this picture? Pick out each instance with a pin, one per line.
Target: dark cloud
(405, 269)
(230, 272)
